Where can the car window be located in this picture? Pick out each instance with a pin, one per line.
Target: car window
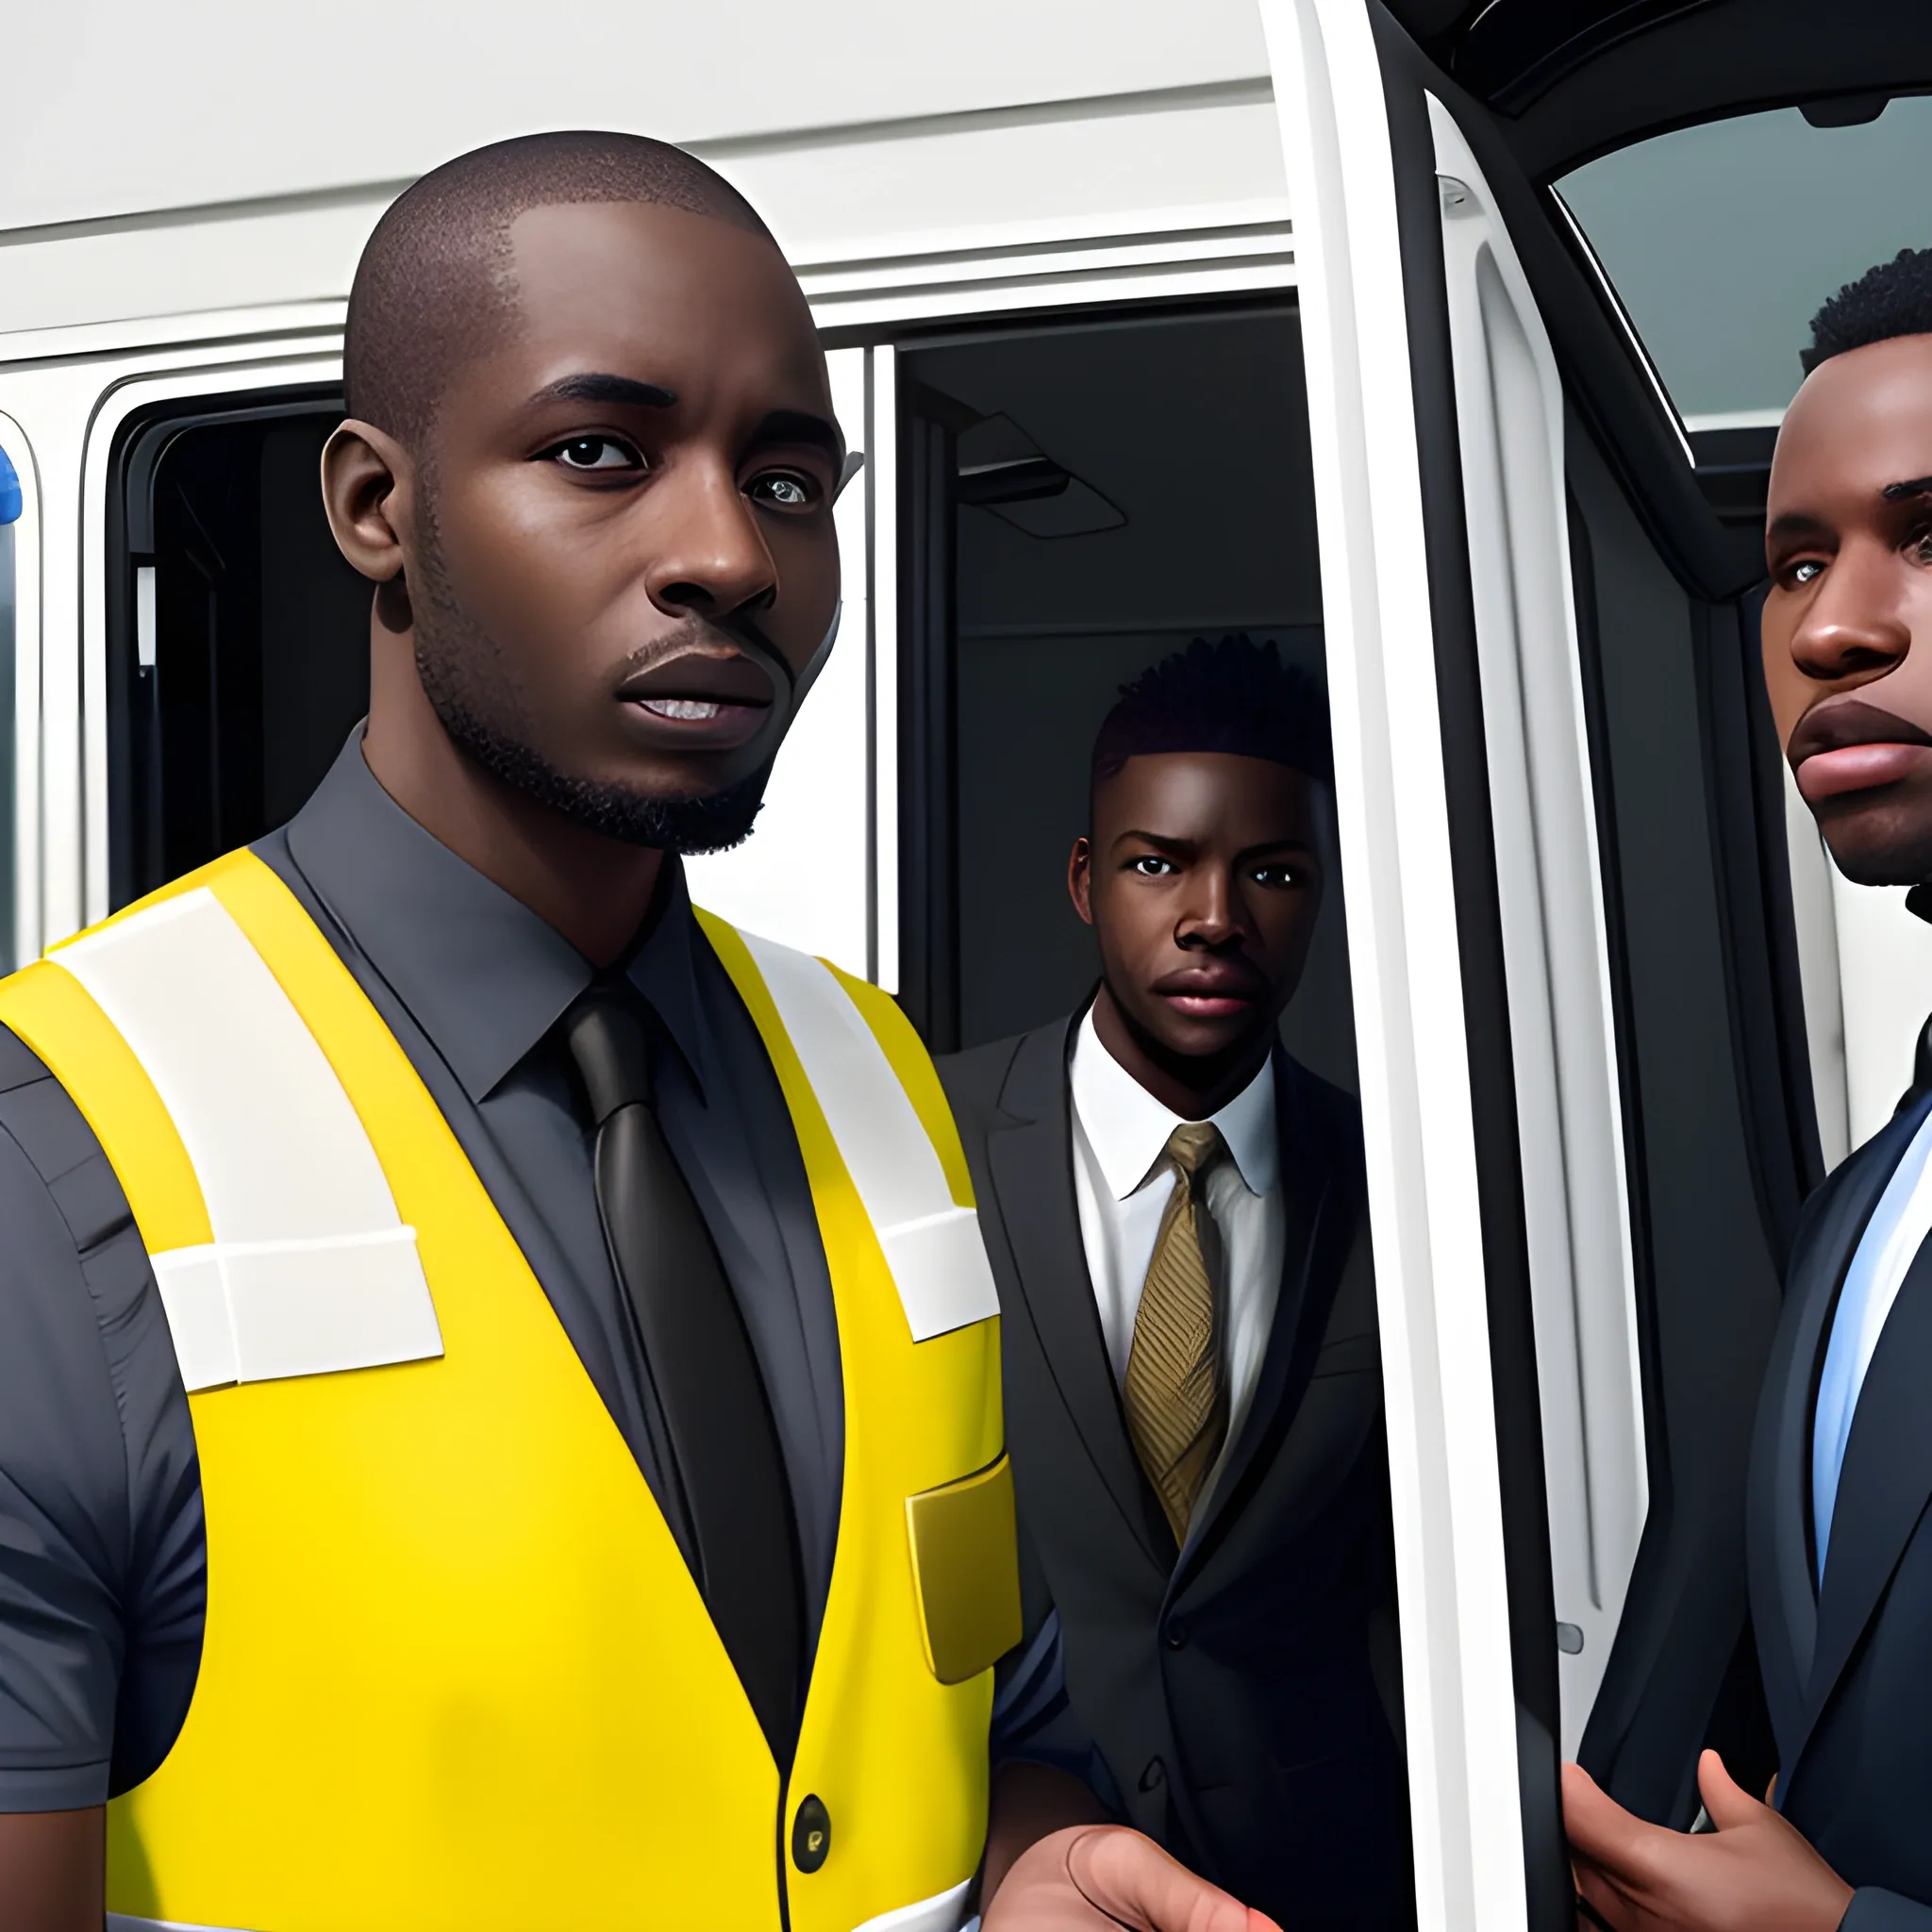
(1721, 240)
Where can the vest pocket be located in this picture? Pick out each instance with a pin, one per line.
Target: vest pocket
(965, 1571)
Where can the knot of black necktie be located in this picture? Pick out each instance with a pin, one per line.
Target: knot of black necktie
(606, 1036)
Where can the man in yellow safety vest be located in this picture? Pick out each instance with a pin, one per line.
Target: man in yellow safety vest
(499, 1415)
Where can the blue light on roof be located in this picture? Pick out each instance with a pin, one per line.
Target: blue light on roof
(10, 491)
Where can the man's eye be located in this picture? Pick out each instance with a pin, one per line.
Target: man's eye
(786, 491)
(1804, 573)
(596, 453)
(1150, 866)
(1921, 547)
(1277, 876)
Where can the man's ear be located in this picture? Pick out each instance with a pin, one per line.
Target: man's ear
(1080, 877)
(366, 487)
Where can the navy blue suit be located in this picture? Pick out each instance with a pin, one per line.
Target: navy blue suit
(1847, 1663)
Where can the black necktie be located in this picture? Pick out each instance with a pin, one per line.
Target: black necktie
(742, 1544)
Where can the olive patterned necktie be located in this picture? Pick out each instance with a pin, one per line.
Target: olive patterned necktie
(1176, 1392)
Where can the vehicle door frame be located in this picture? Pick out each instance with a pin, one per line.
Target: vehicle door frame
(1434, 1040)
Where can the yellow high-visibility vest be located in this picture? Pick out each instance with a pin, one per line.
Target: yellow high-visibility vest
(456, 1674)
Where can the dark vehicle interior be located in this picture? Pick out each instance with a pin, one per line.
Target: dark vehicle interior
(238, 639)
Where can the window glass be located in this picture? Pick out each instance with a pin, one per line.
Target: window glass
(1723, 241)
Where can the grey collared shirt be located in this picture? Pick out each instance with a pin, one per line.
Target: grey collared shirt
(102, 1557)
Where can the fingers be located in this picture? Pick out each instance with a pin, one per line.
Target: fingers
(1131, 1879)
(1599, 1903)
(1598, 1827)
(1728, 1804)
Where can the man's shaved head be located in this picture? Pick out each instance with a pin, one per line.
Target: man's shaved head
(435, 286)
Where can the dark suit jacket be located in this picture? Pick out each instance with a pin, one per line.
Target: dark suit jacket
(1847, 1666)
(1232, 1693)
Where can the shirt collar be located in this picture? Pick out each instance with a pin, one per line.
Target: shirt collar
(483, 976)
(1127, 1128)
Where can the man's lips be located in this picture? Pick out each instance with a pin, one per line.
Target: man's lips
(700, 700)
(1212, 993)
(1846, 746)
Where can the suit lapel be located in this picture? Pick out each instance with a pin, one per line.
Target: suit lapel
(1782, 1566)
(1031, 1156)
(1883, 1487)
(1306, 1183)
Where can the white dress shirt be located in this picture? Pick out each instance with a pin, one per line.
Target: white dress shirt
(1122, 1181)
(1886, 1251)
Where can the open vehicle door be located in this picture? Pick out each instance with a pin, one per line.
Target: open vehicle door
(1591, 1107)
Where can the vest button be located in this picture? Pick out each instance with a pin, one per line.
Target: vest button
(812, 1835)
(1154, 1776)
(1175, 1634)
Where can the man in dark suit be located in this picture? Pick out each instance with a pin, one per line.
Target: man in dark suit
(1175, 1216)
(1839, 1534)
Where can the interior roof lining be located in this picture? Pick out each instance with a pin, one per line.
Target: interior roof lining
(1738, 57)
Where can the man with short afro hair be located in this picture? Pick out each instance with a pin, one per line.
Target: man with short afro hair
(1890, 300)
(1174, 1209)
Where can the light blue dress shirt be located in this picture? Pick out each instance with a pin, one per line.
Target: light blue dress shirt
(1890, 1242)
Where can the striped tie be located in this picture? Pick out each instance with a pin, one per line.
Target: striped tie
(1177, 1395)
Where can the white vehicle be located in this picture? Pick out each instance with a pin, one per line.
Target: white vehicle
(1442, 343)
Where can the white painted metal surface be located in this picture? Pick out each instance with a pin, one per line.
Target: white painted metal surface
(1458, 1701)
(1885, 978)
(882, 504)
(1556, 948)
(25, 776)
(115, 108)
(1814, 887)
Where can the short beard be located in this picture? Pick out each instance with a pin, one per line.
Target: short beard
(687, 826)
(462, 675)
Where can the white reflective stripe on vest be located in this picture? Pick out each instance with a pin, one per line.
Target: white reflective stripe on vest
(944, 1912)
(931, 1245)
(120, 1921)
(311, 1270)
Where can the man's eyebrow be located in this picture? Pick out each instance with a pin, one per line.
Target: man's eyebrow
(593, 386)
(800, 426)
(1178, 846)
(1799, 522)
(1897, 492)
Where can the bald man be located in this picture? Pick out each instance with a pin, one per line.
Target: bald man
(492, 1433)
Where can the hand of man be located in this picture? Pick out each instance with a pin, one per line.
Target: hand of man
(1754, 1873)
(1089, 1876)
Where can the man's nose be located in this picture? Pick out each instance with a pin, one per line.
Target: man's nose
(1856, 629)
(1210, 917)
(709, 557)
